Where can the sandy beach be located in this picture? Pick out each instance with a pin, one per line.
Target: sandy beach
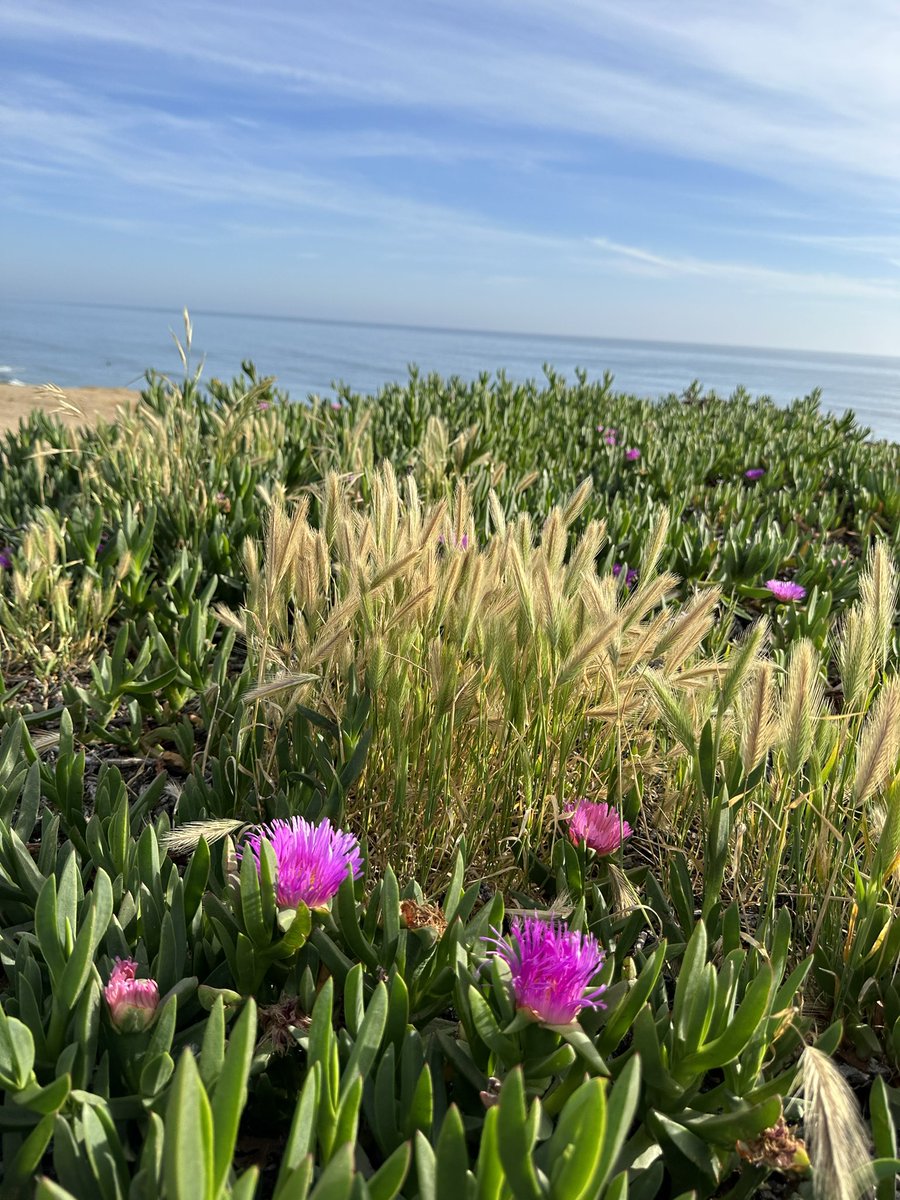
(74, 406)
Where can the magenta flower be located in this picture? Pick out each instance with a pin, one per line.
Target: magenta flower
(312, 860)
(6, 560)
(783, 589)
(598, 825)
(551, 968)
(754, 473)
(462, 544)
(132, 1002)
(610, 439)
(632, 455)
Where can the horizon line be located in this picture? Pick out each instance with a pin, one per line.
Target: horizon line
(521, 334)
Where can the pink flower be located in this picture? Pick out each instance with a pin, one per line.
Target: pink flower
(312, 860)
(462, 544)
(132, 1002)
(551, 968)
(598, 825)
(632, 455)
(336, 404)
(783, 589)
(610, 438)
(263, 405)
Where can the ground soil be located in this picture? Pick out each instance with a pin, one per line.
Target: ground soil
(74, 406)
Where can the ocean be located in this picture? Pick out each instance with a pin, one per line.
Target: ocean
(99, 346)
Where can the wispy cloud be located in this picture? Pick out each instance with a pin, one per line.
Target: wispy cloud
(773, 88)
(756, 147)
(812, 283)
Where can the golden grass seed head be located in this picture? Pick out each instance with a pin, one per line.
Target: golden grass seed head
(801, 705)
(879, 743)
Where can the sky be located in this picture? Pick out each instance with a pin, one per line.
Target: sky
(691, 171)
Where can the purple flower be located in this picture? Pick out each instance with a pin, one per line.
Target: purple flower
(312, 860)
(6, 559)
(783, 589)
(263, 405)
(551, 968)
(610, 438)
(631, 575)
(754, 473)
(632, 455)
(462, 544)
(598, 825)
(132, 1002)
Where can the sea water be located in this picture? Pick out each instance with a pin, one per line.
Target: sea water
(99, 346)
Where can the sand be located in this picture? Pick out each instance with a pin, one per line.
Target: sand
(74, 406)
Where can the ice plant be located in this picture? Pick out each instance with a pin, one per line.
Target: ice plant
(132, 1002)
(631, 575)
(312, 860)
(784, 589)
(599, 826)
(610, 438)
(6, 558)
(754, 472)
(551, 968)
(633, 455)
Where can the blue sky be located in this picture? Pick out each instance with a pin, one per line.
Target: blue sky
(688, 171)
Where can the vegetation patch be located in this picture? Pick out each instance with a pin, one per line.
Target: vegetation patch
(477, 789)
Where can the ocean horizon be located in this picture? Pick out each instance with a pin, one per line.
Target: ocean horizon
(96, 345)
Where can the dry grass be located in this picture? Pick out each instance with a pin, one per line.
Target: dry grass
(501, 674)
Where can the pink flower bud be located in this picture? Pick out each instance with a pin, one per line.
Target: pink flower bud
(132, 1002)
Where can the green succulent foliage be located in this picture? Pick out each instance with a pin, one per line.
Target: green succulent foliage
(375, 1049)
(384, 1054)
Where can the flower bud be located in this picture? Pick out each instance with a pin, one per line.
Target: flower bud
(132, 1002)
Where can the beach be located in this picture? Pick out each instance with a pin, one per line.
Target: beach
(73, 406)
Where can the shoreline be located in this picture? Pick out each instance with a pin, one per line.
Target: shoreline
(73, 406)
